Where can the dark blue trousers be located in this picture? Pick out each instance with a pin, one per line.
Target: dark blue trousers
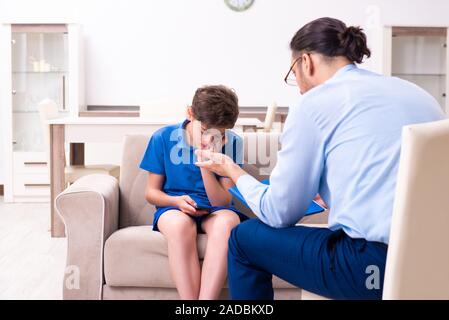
(325, 262)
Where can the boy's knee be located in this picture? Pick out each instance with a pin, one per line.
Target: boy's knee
(226, 222)
(181, 226)
(185, 226)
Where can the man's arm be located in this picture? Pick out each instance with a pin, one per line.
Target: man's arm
(294, 181)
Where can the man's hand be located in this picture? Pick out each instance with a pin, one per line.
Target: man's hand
(219, 163)
(187, 205)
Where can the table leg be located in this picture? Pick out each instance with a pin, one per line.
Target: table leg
(57, 165)
(77, 154)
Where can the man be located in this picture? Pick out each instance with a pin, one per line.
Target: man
(342, 141)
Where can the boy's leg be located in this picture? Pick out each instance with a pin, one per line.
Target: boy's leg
(217, 226)
(319, 260)
(180, 231)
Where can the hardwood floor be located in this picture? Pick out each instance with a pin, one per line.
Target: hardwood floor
(31, 262)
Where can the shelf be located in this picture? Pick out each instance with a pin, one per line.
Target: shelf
(35, 111)
(112, 113)
(32, 72)
(419, 31)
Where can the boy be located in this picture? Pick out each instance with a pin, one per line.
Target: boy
(190, 200)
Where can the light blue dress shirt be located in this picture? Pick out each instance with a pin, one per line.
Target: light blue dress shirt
(342, 141)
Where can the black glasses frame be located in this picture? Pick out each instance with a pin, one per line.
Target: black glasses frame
(290, 70)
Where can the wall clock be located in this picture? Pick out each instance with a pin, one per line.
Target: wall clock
(239, 5)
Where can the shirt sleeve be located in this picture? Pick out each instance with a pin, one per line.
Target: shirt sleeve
(295, 179)
(153, 159)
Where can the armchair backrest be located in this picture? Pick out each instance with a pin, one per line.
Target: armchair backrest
(418, 255)
(134, 209)
(260, 153)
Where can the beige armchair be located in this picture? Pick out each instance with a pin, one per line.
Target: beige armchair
(418, 254)
(112, 251)
(418, 257)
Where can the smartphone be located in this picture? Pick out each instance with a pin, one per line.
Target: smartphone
(208, 209)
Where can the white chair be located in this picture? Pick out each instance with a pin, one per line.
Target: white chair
(418, 253)
(269, 118)
(49, 110)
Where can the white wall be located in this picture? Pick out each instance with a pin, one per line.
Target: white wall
(139, 50)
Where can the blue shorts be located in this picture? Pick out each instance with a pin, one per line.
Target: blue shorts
(197, 219)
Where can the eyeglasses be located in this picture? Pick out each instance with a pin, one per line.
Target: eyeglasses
(289, 78)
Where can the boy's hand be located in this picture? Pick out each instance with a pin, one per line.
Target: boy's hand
(187, 205)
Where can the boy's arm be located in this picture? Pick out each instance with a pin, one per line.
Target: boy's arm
(217, 187)
(155, 196)
(217, 190)
(154, 193)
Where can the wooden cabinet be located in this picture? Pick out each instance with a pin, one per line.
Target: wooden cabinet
(31, 179)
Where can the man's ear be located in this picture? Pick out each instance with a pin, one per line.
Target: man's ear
(309, 65)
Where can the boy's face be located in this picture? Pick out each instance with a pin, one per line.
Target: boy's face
(205, 137)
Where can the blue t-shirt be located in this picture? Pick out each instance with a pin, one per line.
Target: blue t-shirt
(169, 154)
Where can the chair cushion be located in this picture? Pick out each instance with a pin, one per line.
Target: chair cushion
(137, 257)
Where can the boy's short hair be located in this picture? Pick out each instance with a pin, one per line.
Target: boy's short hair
(216, 106)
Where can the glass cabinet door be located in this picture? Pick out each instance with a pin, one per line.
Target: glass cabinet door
(419, 55)
(39, 71)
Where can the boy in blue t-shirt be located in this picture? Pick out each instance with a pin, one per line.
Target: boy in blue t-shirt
(190, 200)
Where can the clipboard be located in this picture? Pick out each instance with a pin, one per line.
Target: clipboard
(314, 207)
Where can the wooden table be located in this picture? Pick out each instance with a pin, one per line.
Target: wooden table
(80, 130)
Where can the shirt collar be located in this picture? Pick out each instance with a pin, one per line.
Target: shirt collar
(181, 136)
(343, 70)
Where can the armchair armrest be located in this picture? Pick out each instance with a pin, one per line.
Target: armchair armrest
(89, 209)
